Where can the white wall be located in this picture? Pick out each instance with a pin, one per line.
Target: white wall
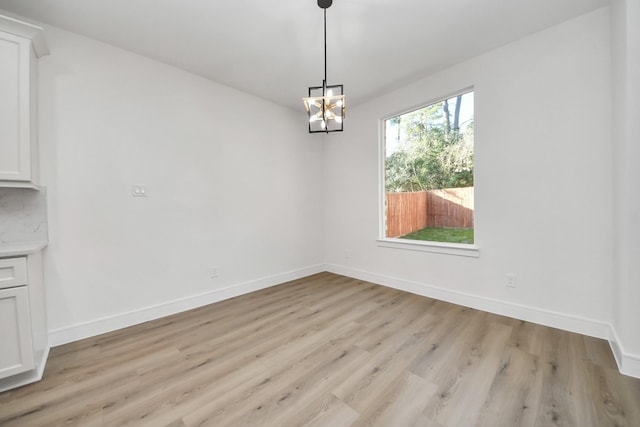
(543, 183)
(234, 182)
(625, 25)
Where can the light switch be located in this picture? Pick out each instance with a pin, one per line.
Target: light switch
(139, 190)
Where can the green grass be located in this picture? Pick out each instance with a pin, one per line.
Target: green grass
(449, 235)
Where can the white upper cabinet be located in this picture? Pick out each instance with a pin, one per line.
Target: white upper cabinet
(20, 46)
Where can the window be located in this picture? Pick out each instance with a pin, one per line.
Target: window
(428, 174)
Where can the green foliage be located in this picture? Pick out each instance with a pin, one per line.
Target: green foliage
(430, 154)
(450, 235)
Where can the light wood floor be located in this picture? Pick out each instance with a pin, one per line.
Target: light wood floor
(330, 351)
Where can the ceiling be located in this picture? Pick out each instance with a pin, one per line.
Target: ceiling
(275, 49)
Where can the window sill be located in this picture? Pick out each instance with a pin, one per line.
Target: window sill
(458, 249)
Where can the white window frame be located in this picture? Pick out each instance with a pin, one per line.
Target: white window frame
(459, 249)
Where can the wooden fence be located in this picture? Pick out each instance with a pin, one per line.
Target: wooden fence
(406, 212)
(412, 211)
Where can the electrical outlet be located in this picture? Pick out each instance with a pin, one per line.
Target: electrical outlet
(213, 272)
(510, 280)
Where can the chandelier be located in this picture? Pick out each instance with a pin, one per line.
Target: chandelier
(325, 104)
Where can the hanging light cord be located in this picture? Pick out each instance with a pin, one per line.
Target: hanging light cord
(325, 53)
(324, 82)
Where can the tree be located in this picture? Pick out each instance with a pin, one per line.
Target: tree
(456, 115)
(431, 153)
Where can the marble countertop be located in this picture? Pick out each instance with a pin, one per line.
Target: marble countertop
(23, 248)
(23, 221)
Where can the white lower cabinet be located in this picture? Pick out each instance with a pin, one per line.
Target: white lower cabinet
(16, 356)
(24, 345)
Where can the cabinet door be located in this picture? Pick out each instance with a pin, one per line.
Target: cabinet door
(15, 128)
(16, 349)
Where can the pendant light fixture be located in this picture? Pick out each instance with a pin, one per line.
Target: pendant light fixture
(325, 104)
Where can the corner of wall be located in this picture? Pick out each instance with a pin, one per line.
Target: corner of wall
(628, 364)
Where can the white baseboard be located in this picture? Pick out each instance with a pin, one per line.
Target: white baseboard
(550, 318)
(111, 323)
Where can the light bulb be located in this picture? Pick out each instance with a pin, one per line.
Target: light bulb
(329, 93)
(316, 117)
(323, 125)
(339, 103)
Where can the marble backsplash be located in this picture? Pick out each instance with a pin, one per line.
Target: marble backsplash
(23, 216)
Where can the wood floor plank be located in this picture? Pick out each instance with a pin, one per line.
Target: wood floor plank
(400, 404)
(281, 370)
(514, 391)
(282, 405)
(389, 362)
(328, 350)
(467, 380)
(556, 366)
(332, 412)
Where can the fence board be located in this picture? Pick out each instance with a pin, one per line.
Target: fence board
(450, 207)
(406, 212)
